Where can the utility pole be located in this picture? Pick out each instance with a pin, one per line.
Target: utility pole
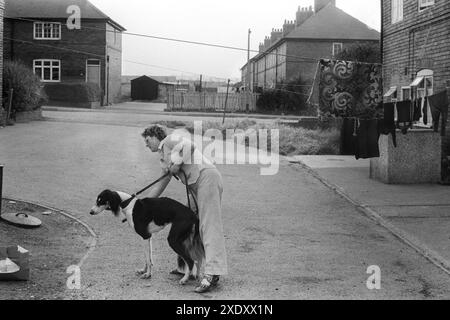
(249, 89)
(226, 102)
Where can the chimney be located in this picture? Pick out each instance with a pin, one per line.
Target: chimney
(303, 14)
(261, 47)
(320, 4)
(288, 26)
(275, 35)
(266, 43)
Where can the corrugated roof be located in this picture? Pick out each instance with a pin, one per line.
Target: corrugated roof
(333, 23)
(53, 9)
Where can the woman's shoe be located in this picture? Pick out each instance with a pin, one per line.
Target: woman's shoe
(209, 282)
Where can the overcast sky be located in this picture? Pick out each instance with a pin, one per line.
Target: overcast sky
(224, 22)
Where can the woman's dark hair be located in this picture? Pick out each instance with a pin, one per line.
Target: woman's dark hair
(155, 131)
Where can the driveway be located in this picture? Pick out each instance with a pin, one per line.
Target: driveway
(288, 236)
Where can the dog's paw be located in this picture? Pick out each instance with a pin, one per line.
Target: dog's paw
(183, 281)
(146, 275)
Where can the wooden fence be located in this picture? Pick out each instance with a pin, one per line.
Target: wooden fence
(205, 101)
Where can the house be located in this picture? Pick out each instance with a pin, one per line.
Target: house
(294, 50)
(2, 11)
(416, 50)
(43, 35)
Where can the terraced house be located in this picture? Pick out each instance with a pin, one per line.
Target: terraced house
(416, 51)
(37, 34)
(294, 50)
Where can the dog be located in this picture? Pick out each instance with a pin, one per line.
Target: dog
(151, 215)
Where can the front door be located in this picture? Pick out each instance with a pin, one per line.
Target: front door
(93, 71)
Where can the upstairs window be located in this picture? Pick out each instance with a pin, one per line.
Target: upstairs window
(424, 4)
(337, 48)
(397, 11)
(47, 31)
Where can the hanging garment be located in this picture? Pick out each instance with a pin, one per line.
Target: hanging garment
(349, 89)
(424, 107)
(386, 125)
(439, 106)
(417, 104)
(404, 115)
(367, 140)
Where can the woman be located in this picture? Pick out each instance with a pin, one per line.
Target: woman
(178, 154)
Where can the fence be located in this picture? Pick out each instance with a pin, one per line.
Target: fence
(205, 101)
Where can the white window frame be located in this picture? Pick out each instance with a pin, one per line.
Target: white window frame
(425, 4)
(335, 44)
(422, 90)
(39, 63)
(402, 93)
(43, 37)
(396, 11)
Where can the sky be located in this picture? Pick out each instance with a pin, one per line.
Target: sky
(224, 22)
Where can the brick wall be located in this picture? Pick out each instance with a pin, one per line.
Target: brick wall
(2, 9)
(97, 43)
(419, 34)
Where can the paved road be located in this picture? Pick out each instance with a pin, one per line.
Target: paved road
(288, 236)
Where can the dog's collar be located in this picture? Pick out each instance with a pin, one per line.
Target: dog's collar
(125, 204)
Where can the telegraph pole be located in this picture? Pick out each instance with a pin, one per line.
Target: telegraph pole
(249, 89)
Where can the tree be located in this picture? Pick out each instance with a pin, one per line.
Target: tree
(361, 52)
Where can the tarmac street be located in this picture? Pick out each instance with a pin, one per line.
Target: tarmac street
(288, 236)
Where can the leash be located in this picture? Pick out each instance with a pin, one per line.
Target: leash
(189, 192)
(125, 204)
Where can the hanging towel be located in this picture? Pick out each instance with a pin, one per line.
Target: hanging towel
(367, 140)
(439, 106)
(417, 110)
(424, 104)
(404, 115)
(386, 125)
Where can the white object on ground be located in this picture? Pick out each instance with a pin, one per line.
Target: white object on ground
(7, 266)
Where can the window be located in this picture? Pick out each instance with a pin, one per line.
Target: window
(47, 70)
(392, 93)
(406, 93)
(424, 84)
(337, 48)
(424, 4)
(397, 10)
(47, 31)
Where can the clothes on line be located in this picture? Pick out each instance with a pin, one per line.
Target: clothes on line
(387, 125)
(439, 107)
(367, 136)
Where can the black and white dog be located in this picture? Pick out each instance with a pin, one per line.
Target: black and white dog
(149, 216)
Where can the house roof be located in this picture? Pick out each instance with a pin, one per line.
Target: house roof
(54, 9)
(333, 23)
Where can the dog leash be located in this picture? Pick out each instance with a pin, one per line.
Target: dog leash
(189, 192)
(125, 204)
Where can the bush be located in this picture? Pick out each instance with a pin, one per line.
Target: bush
(79, 92)
(285, 98)
(28, 93)
(361, 52)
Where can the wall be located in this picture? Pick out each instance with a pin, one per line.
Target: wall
(2, 9)
(114, 51)
(403, 44)
(73, 64)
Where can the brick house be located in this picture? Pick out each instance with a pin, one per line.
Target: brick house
(38, 34)
(416, 50)
(2, 11)
(316, 33)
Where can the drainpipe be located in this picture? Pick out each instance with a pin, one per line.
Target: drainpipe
(107, 80)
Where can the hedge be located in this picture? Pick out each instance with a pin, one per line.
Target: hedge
(73, 92)
(28, 93)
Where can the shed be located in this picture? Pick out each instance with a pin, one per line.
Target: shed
(144, 88)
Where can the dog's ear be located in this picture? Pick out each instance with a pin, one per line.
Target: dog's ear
(114, 202)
